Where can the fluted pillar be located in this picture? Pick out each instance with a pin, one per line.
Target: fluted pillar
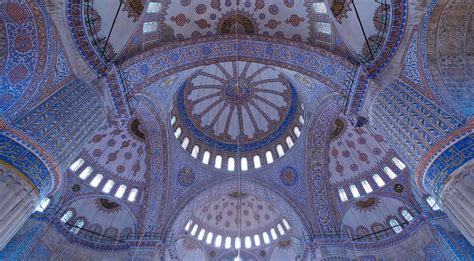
(457, 199)
(18, 200)
(25, 177)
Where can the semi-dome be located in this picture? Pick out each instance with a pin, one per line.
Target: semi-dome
(237, 110)
(237, 219)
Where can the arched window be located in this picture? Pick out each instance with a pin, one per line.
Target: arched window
(389, 172)
(362, 231)
(96, 180)
(266, 238)
(133, 195)
(194, 230)
(399, 163)
(378, 180)
(231, 164)
(125, 234)
(366, 186)
(322, 27)
(188, 225)
(354, 191)
(177, 132)
(218, 162)
(256, 162)
(237, 243)
(195, 151)
(76, 165)
(243, 164)
(289, 142)
(96, 232)
(209, 238)
(185, 143)
(274, 234)
(301, 119)
(228, 242)
(43, 204)
(342, 194)
(395, 226)
(320, 8)
(149, 27)
(280, 150)
(432, 203)
(77, 226)
(67, 216)
(269, 157)
(248, 242)
(108, 186)
(120, 191)
(201, 234)
(256, 239)
(218, 241)
(297, 131)
(280, 229)
(153, 7)
(406, 215)
(85, 173)
(110, 234)
(205, 157)
(285, 224)
(378, 230)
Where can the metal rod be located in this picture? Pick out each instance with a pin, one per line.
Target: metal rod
(111, 28)
(375, 233)
(363, 31)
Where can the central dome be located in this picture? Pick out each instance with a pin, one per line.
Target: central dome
(237, 91)
(237, 107)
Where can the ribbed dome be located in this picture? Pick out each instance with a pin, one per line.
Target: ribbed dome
(237, 107)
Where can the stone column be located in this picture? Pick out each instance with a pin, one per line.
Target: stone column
(457, 200)
(18, 200)
(435, 144)
(25, 175)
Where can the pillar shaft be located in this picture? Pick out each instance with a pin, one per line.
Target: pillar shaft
(457, 200)
(18, 200)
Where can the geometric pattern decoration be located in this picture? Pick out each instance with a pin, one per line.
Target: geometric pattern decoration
(411, 62)
(355, 152)
(28, 164)
(288, 176)
(295, 20)
(449, 53)
(189, 19)
(146, 68)
(64, 120)
(237, 214)
(25, 38)
(117, 154)
(411, 121)
(62, 70)
(439, 171)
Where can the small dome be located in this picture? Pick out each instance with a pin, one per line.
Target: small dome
(244, 219)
